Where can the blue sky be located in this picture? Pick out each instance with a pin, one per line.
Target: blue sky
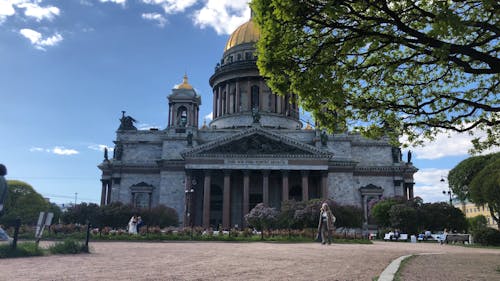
(68, 69)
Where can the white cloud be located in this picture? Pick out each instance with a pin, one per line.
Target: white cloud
(34, 10)
(60, 150)
(222, 15)
(209, 116)
(448, 144)
(145, 126)
(430, 176)
(86, 3)
(100, 147)
(171, 6)
(121, 2)
(429, 186)
(6, 10)
(37, 40)
(158, 18)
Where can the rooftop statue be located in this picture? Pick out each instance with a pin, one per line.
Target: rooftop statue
(256, 115)
(127, 122)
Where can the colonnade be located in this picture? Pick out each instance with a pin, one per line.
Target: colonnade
(319, 189)
(242, 95)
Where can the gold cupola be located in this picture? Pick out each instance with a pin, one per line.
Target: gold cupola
(245, 33)
(184, 84)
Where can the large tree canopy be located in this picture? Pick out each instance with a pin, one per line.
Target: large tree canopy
(25, 203)
(478, 179)
(387, 67)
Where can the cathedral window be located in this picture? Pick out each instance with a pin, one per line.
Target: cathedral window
(182, 116)
(255, 97)
(141, 195)
(141, 200)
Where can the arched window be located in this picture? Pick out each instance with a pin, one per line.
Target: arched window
(182, 116)
(255, 97)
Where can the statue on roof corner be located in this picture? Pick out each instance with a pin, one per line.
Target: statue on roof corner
(127, 122)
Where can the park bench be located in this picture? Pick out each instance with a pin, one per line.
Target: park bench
(456, 237)
(402, 237)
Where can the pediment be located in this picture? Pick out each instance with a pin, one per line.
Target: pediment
(257, 142)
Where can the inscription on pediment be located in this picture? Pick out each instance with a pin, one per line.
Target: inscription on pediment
(257, 144)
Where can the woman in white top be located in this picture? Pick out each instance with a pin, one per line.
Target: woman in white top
(325, 225)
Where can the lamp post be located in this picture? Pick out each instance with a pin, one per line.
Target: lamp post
(189, 210)
(449, 192)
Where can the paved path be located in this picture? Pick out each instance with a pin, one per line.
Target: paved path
(224, 261)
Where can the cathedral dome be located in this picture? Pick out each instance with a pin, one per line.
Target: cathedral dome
(245, 33)
(184, 85)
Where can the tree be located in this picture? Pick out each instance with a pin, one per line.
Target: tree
(460, 177)
(477, 223)
(485, 188)
(380, 210)
(404, 217)
(437, 216)
(23, 202)
(478, 179)
(262, 217)
(82, 213)
(386, 68)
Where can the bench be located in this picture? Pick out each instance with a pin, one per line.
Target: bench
(455, 237)
(402, 237)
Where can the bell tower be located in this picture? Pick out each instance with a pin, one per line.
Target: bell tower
(183, 106)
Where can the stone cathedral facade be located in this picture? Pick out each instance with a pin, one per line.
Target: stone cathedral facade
(254, 150)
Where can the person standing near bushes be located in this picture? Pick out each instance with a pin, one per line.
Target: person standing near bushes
(3, 186)
(325, 225)
(3, 196)
(132, 225)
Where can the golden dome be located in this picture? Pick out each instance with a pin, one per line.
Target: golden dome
(204, 124)
(185, 84)
(246, 33)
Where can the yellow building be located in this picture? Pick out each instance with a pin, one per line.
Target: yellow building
(471, 210)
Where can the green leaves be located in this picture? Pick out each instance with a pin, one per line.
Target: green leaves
(414, 67)
(478, 179)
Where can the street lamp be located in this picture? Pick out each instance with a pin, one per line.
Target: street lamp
(189, 208)
(449, 192)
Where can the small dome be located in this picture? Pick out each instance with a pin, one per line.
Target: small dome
(185, 84)
(246, 33)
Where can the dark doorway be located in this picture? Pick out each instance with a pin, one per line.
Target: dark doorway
(295, 193)
(215, 206)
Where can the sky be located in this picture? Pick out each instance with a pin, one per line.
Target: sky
(68, 68)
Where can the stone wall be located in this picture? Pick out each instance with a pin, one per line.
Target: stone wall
(171, 191)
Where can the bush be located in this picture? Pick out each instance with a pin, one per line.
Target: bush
(27, 249)
(477, 223)
(487, 237)
(68, 246)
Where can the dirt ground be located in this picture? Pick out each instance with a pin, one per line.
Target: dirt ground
(247, 261)
(470, 266)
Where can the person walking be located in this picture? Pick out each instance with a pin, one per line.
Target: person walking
(325, 225)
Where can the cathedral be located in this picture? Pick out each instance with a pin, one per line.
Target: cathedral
(254, 150)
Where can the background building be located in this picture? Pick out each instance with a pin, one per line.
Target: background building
(471, 210)
(254, 150)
